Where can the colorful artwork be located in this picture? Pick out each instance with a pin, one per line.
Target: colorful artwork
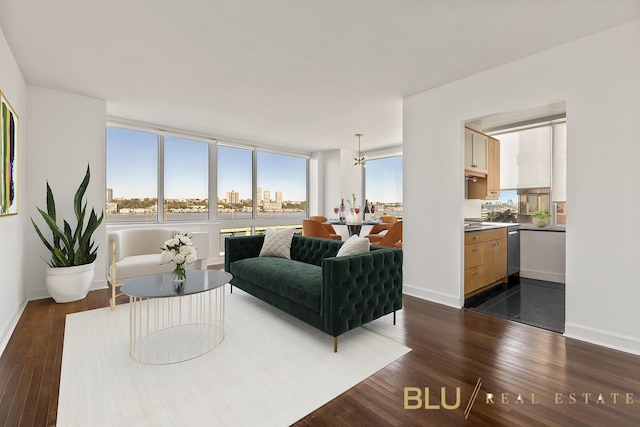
(8, 142)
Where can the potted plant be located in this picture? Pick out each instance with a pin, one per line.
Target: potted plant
(73, 252)
(541, 218)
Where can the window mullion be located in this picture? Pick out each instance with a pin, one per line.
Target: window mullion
(254, 188)
(161, 178)
(213, 182)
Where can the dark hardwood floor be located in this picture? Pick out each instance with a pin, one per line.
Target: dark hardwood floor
(451, 349)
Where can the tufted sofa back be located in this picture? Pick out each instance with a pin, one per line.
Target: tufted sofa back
(312, 250)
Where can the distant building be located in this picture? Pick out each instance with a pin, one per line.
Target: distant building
(112, 207)
(233, 197)
(109, 196)
(266, 196)
(279, 197)
(259, 194)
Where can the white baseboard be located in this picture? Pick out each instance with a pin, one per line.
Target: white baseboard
(437, 297)
(6, 334)
(614, 340)
(543, 275)
(43, 293)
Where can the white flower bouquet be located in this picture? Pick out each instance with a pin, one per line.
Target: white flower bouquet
(180, 250)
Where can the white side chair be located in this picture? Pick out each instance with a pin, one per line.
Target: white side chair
(135, 252)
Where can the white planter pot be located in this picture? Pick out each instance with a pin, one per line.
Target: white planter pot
(66, 284)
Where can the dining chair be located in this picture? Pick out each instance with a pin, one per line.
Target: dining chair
(316, 229)
(389, 219)
(376, 230)
(393, 237)
(329, 227)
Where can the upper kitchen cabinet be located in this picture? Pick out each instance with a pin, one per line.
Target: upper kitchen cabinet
(475, 150)
(493, 170)
(482, 183)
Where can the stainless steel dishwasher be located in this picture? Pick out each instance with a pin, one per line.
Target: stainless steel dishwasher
(513, 251)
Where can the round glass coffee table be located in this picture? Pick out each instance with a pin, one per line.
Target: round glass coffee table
(171, 322)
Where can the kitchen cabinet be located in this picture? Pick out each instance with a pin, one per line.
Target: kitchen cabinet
(486, 186)
(475, 150)
(493, 170)
(485, 259)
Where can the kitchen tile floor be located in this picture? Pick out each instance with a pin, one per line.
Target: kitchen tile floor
(532, 302)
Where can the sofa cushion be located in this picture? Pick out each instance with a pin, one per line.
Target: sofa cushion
(277, 243)
(141, 265)
(294, 280)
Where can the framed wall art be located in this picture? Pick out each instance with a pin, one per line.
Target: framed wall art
(8, 162)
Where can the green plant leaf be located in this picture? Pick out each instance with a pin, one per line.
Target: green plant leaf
(44, 240)
(70, 247)
(77, 200)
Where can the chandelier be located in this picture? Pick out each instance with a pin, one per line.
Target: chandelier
(360, 160)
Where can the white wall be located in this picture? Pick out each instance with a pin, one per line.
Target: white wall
(64, 133)
(12, 228)
(339, 178)
(599, 77)
(542, 255)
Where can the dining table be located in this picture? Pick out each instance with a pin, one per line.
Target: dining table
(353, 227)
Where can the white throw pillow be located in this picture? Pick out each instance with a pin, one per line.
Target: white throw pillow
(353, 246)
(277, 243)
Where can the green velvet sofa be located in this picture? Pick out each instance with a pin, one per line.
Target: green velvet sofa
(333, 294)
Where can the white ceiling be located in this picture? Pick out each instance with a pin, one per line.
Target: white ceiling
(301, 74)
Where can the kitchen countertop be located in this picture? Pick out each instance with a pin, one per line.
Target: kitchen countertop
(491, 226)
(528, 227)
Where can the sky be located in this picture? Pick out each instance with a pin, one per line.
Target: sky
(383, 182)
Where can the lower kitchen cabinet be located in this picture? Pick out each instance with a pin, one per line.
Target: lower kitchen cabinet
(485, 259)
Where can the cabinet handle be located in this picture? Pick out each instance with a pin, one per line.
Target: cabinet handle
(475, 250)
(474, 238)
(475, 273)
(497, 243)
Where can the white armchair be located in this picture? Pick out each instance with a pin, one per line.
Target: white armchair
(136, 252)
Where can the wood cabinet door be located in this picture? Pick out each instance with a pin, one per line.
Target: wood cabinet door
(475, 150)
(473, 278)
(493, 170)
(473, 255)
(480, 143)
(468, 149)
(495, 260)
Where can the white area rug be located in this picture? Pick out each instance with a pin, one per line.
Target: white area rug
(270, 370)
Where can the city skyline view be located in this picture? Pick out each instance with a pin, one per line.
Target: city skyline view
(281, 180)
(132, 168)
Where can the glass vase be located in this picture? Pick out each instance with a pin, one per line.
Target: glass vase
(179, 274)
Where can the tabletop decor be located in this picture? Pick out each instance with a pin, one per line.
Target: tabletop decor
(180, 250)
(541, 218)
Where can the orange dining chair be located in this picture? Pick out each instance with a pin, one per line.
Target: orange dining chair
(389, 219)
(316, 229)
(376, 230)
(329, 227)
(393, 237)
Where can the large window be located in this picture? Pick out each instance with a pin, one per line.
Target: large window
(132, 176)
(154, 177)
(282, 185)
(383, 185)
(186, 179)
(532, 174)
(235, 172)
